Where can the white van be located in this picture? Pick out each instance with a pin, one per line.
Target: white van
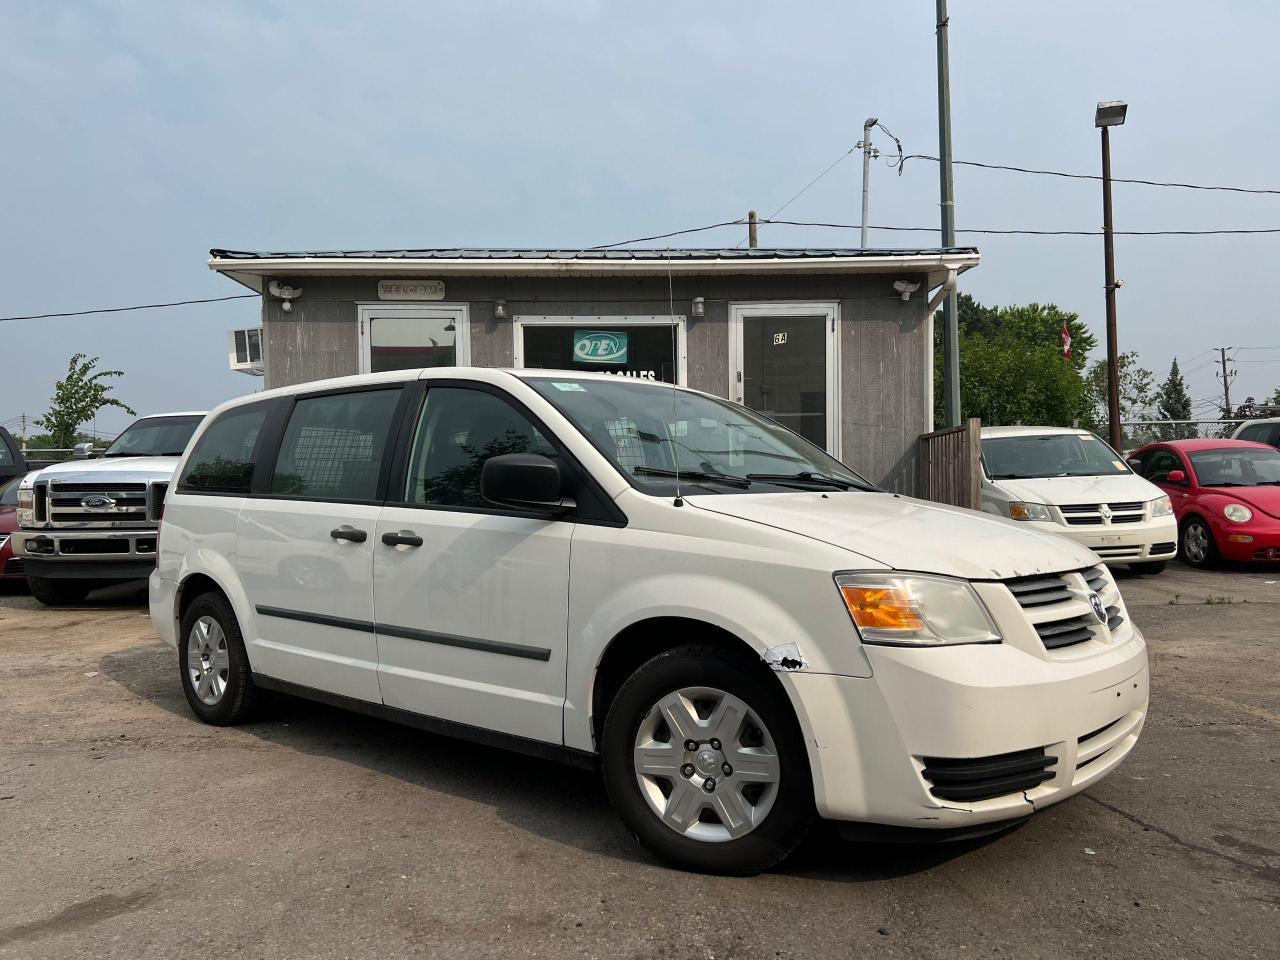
(739, 630)
(1069, 482)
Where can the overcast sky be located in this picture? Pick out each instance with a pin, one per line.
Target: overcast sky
(137, 136)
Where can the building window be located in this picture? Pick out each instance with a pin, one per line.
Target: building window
(648, 348)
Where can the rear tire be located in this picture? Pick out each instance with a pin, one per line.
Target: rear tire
(742, 723)
(213, 663)
(1198, 548)
(59, 593)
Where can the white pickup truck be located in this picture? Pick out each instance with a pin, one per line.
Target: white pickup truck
(85, 524)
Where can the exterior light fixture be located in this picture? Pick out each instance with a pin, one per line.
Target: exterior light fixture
(499, 309)
(699, 307)
(1110, 113)
(285, 293)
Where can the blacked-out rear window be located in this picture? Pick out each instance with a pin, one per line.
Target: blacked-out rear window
(222, 461)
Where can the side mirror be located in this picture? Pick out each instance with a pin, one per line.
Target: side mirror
(1176, 476)
(82, 451)
(523, 480)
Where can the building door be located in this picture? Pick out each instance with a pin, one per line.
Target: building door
(643, 347)
(408, 336)
(783, 364)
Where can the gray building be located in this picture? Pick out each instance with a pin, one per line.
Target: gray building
(836, 344)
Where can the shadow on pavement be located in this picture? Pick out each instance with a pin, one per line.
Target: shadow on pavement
(560, 803)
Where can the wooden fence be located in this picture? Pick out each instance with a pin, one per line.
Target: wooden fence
(949, 471)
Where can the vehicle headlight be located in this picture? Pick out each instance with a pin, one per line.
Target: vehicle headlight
(915, 611)
(1237, 513)
(1029, 511)
(1161, 507)
(26, 515)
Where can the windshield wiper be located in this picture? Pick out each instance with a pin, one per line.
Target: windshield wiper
(694, 476)
(804, 478)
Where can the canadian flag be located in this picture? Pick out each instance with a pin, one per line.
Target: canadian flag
(1066, 340)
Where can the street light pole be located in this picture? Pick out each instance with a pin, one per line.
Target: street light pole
(1110, 114)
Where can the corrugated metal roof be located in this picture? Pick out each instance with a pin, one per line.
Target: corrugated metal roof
(615, 253)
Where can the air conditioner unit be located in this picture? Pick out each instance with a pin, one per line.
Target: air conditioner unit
(245, 354)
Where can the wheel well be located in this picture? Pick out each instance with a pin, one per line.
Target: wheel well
(644, 640)
(194, 586)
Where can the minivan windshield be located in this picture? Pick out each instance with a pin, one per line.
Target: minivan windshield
(1237, 467)
(1050, 455)
(659, 435)
(155, 437)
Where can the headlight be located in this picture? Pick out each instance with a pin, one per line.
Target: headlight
(1029, 511)
(26, 515)
(1237, 513)
(906, 610)
(1161, 507)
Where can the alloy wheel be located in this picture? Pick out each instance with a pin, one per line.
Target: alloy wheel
(1196, 543)
(706, 764)
(208, 662)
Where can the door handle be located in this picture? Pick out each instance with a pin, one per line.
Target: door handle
(406, 538)
(349, 533)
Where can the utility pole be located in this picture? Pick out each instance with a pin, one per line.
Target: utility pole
(868, 153)
(753, 228)
(1110, 113)
(1227, 409)
(950, 310)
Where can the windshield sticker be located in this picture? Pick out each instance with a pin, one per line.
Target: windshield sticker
(570, 387)
(1117, 464)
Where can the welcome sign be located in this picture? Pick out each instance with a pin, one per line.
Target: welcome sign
(599, 346)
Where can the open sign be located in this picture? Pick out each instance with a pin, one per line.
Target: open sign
(599, 346)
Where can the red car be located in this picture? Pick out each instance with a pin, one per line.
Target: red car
(1225, 493)
(10, 566)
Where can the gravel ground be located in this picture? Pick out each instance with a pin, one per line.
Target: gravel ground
(127, 829)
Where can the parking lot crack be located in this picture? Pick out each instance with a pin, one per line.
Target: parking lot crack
(1269, 875)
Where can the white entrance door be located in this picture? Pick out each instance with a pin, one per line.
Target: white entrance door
(405, 336)
(783, 362)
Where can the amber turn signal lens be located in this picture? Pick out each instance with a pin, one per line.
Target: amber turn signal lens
(881, 608)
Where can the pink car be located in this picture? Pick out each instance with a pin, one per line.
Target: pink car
(10, 566)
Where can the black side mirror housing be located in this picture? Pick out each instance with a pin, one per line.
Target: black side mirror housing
(527, 480)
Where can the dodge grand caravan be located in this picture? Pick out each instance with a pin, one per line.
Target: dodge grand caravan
(739, 630)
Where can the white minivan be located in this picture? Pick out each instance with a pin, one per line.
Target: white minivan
(1067, 481)
(739, 630)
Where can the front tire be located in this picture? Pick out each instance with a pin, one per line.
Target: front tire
(704, 761)
(59, 593)
(1198, 547)
(214, 666)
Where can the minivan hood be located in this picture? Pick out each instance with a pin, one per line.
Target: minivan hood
(1118, 488)
(908, 534)
(129, 469)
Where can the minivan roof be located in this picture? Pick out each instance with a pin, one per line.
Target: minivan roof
(991, 432)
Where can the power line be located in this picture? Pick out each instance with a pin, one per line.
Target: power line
(803, 189)
(141, 306)
(664, 236)
(1089, 176)
(1038, 233)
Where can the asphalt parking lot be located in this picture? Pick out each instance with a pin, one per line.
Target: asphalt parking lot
(127, 829)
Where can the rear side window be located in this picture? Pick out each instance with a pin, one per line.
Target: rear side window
(1159, 464)
(1256, 432)
(222, 459)
(334, 446)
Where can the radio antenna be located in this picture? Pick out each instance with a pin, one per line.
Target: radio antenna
(671, 314)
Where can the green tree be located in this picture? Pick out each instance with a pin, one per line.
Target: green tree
(1012, 369)
(1137, 393)
(78, 397)
(1174, 403)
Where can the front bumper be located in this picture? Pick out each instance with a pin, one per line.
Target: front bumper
(93, 546)
(1263, 544)
(1150, 540)
(868, 738)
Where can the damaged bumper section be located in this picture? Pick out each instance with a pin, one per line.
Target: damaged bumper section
(949, 740)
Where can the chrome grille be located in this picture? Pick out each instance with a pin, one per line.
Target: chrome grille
(75, 504)
(1086, 514)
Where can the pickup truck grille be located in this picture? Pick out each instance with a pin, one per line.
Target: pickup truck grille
(83, 504)
(1085, 514)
